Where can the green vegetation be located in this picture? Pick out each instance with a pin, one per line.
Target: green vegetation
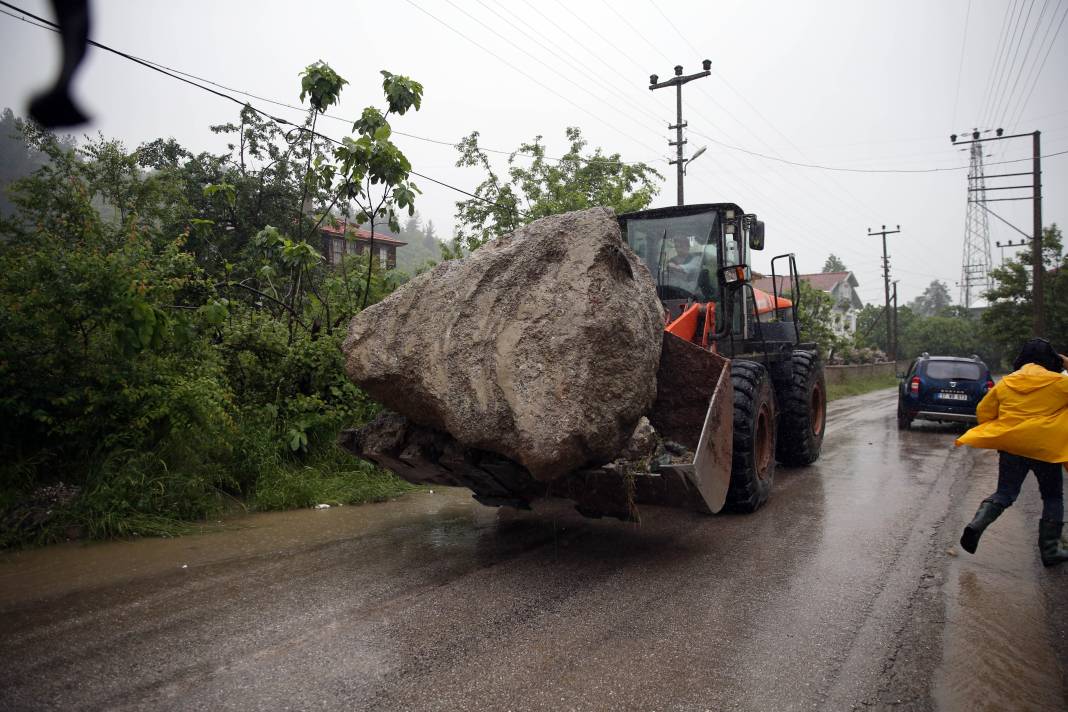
(859, 386)
(1008, 320)
(171, 334)
(833, 263)
(546, 186)
(932, 323)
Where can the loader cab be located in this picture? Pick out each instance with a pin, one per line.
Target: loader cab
(687, 250)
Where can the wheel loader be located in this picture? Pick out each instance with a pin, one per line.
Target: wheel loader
(737, 390)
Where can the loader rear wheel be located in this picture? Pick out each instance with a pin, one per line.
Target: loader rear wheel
(803, 415)
(753, 463)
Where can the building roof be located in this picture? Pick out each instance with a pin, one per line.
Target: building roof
(343, 228)
(823, 281)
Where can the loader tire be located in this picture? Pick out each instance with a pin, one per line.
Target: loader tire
(753, 463)
(802, 411)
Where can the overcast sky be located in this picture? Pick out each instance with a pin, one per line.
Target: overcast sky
(849, 84)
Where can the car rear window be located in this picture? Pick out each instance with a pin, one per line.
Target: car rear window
(954, 370)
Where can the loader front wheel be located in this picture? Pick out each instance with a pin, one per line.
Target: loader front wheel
(753, 463)
(804, 411)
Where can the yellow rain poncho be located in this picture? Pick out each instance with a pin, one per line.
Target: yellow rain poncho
(1025, 414)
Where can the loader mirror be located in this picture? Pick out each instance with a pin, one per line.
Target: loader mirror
(756, 235)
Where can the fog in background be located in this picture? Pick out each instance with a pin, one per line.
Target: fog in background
(847, 84)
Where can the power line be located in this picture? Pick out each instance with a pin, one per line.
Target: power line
(558, 48)
(519, 70)
(745, 100)
(350, 121)
(175, 74)
(627, 57)
(997, 116)
(855, 170)
(1002, 53)
(53, 26)
(1041, 66)
(816, 196)
(960, 65)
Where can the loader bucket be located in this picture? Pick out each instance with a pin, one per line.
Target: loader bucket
(694, 409)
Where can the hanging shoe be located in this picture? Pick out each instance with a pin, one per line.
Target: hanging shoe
(988, 511)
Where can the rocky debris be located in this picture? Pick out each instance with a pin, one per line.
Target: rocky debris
(643, 441)
(428, 456)
(541, 346)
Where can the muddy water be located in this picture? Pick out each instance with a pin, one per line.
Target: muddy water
(999, 652)
(56, 571)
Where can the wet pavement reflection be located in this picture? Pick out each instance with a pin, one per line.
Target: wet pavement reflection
(838, 594)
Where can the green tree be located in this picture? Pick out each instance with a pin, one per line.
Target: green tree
(163, 318)
(1008, 321)
(545, 187)
(815, 312)
(423, 250)
(18, 157)
(934, 301)
(834, 264)
(376, 173)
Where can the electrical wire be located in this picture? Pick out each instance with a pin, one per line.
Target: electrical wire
(519, 70)
(1002, 52)
(856, 170)
(1041, 66)
(960, 64)
(276, 119)
(998, 116)
(275, 102)
(177, 74)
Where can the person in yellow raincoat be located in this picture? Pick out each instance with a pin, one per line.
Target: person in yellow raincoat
(1025, 418)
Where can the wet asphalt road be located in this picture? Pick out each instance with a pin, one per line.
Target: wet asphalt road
(846, 591)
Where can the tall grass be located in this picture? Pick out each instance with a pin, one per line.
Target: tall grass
(860, 386)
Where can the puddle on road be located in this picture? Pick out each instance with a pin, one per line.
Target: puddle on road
(65, 568)
(998, 653)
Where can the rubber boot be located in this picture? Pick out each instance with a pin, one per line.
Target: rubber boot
(988, 511)
(1049, 542)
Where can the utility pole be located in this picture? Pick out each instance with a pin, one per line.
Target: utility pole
(677, 81)
(886, 279)
(893, 350)
(1038, 297)
(1036, 241)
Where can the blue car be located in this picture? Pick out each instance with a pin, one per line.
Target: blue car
(942, 388)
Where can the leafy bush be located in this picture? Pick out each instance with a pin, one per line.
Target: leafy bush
(163, 348)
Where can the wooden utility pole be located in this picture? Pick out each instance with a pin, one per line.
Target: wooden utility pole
(897, 335)
(1036, 241)
(886, 281)
(677, 81)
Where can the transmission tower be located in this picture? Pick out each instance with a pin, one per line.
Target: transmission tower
(975, 264)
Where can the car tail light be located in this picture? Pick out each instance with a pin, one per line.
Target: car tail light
(989, 384)
(914, 385)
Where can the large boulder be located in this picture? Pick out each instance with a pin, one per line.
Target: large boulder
(541, 346)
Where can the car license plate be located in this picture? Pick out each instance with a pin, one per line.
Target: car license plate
(953, 396)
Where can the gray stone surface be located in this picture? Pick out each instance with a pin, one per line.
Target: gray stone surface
(542, 346)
